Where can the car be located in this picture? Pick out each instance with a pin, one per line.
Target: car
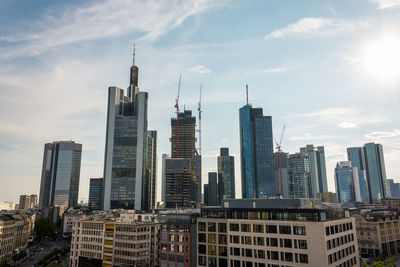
(41, 249)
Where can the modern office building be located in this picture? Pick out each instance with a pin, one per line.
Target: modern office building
(212, 190)
(95, 193)
(281, 174)
(328, 197)
(122, 240)
(346, 182)
(178, 176)
(316, 157)
(356, 156)
(60, 174)
(24, 202)
(226, 174)
(126, 147)
(164, 157)
(275, 232)
(152, 167)
(256, 153)
(394, 188)
(183, 146)
(34, 201)
(299, 176)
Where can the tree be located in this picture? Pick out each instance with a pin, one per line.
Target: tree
(364, 264)
(378, 264)
(391, 262)
(44, 227)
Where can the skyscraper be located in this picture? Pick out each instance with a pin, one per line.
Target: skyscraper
(60, 174)
(256, 153)
(152, 167)
(24, 202)
(126, 147)
(299, 176)
(316, 157)
(346, 182)
(177, 183)
(356, 156)
(183, 146)
(212, 190)
(281, 174)
(95, 193)
(376, 171)
(34, 200)
(226, 174)
(394, 188)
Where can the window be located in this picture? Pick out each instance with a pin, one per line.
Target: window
(223, 262)
(211, 227)
(235, 239)
(274, 255)
(236, 251)
(271, 229)
(222, 227)
(299, 230)
(303, 244)
(249, 253)
(287, 243)
(288, 256)
(202, 249)
(212, 262)
(212, 250)
(234, 227)
(202, 227)
(258, 228)
(245, 227)
(284, 229)
(273, 242)
(212, 238)
(260, 241)
(202, 237)
(303, 258)
(222, 239)
(222, 251)
(247, 240)
(260, 254)
(327, 231)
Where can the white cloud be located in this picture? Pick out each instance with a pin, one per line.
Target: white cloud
(312, 26)
(109, 18)
(199, 69)
(346, 124)
(308, 136)
(383, 4)
(382, 134)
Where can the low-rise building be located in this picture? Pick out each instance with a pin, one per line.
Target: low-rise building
(327, 197)
(119, 239)
(378, 233)
(7, 206)
(68, 220)
(276, 232)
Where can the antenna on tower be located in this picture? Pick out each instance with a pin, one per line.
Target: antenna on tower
(134, 48)
(247, 94)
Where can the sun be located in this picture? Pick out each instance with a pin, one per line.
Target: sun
(382, 58)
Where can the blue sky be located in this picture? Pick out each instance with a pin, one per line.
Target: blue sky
(328, 70)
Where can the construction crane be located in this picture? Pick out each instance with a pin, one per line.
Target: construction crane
(177, 118)
(279, 150)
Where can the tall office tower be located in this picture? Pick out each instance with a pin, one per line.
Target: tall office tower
(316, 158)
(60, 174)
(356, 156)
(163, 177)
(389, 186)
(299, 176)
(346, 182)
(149, 184)
(376, 171)
(95, 193)
(183, 146)
(256, 153)
(24, 202)
(34, 200)
(281, 174)
(394, 188)
(206, 194)
(212, 189)
(226, 174)
(126, 147)
(177, 183)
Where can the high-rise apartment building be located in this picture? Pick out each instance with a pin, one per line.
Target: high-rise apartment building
(95, 193)
(356, 156)
(346, 182)
(183, 146)
(226, 174)
(24, 202)
(178, 176)
(281, 174)
(60, 174)
(126, 148)
(316, 157)
(256, 153)
(299, 176)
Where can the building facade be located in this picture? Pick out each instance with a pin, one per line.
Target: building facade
(356, 156)
(14, 233)
(24, 202)
(60, 174)
(257, 233)
(346, 182)
(281, 174)
(316, 157)
(256, 153)
(152, 167)
(226, 174)
(394, 188)
(212, 190)
(178, 177)
(95, 193)
(126, 148)
(299, 176)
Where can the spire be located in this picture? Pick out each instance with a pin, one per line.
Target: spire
(247, 95)
(133, 64)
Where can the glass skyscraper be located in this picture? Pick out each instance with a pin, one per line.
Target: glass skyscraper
(95, 192)
(226, 174)
(60, 174)
(257, 153)
(356, 156)
(346, 182)
(299, 176)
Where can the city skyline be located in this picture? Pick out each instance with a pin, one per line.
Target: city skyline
(305, 68)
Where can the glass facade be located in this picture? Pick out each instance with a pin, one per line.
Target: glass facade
(299, 176)
(226, 175)
(345, 183)
(376, 172)
(95, 193)
(356, 156)
(257, 155)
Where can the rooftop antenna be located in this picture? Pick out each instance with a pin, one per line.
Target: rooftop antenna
(247, 95)
(134, 47)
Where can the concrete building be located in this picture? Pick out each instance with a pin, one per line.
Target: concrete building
(68, 222)
(120, 239)
(212, 190)
(226, 174)
(256, 153)
(126, 147)
(178, 235)
(281, 174)
(7, 206)
(276, 232)
(178, 177)
(328, 197)
(34, 201)
(60, 174)
(95, 193)
(316, 158)
(346, 182)
(24, 202)
(378, 233)
(299, 176)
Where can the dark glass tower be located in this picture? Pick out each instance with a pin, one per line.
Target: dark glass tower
(346, 182)
(226, 174)
(95, 192)
(356, 156)
(376, 171)
(60, 174)
(257, 153)
(299, 176)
